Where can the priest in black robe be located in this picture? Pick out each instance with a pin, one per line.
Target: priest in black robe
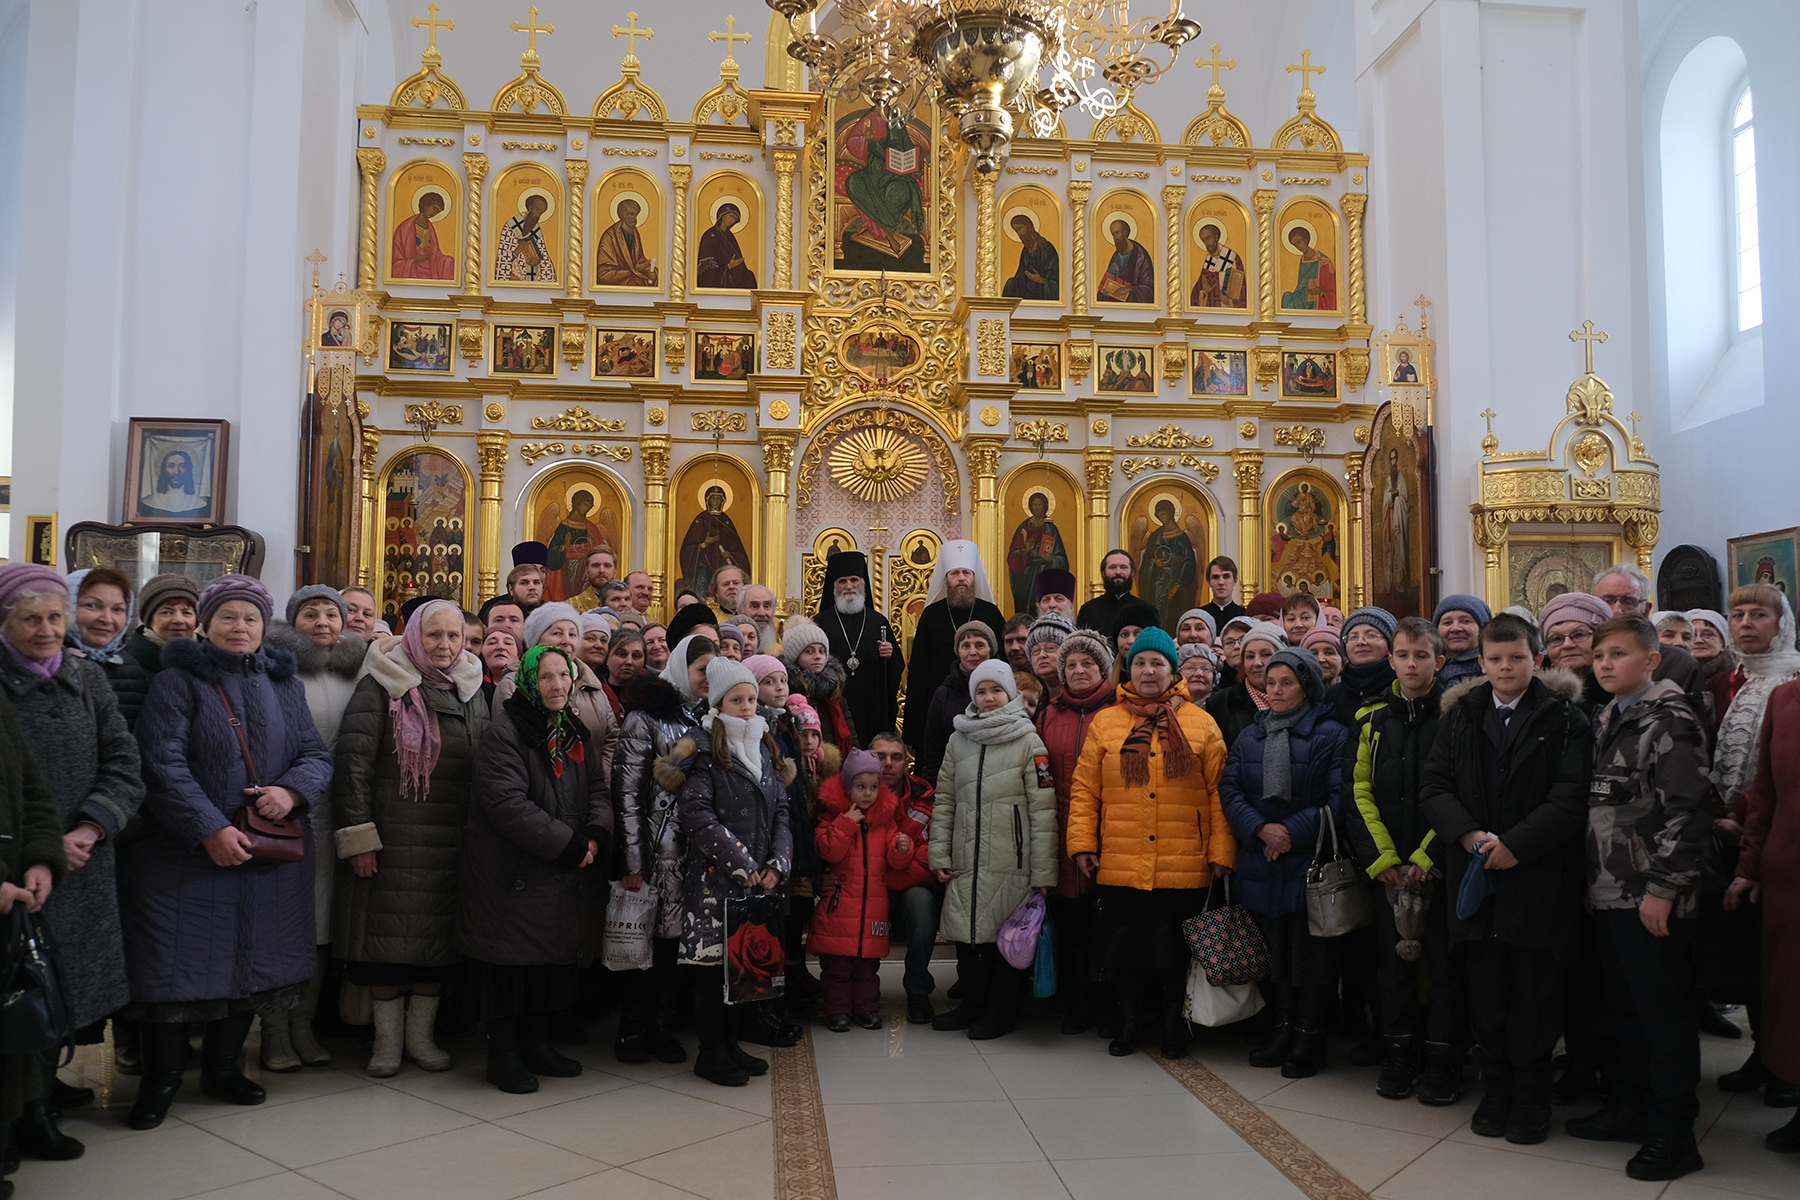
(861, 638)
(959, 593)
(1101, 614)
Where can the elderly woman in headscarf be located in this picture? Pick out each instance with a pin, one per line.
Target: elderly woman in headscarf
(73, 725)
(99, 626)
(401, 794)
(1762, 636)
(539, 819)
(213, 933)
(1283, 770)
(660, 711)
(1145, 824)
(1712, 641)
(166, 612)
(558, 624)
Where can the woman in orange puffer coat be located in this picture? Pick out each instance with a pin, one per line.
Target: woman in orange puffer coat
(1144, 819)
(859, 844)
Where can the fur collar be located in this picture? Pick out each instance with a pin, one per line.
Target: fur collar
(1565, 685)
(671, 769)
(344, 660)
(387, 663)
(653, 696)
(209, 664)
(826, 683)
(835, 800)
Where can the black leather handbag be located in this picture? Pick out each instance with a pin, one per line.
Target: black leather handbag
(34, 1010)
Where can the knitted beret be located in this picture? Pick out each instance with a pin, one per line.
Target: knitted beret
(311, 592)
(544, 616)
(1153, 641)
(1574, 606)
(1305, 668)
(731, 633)
(761, 666)
(800, 634)
(980, 629)
(1266, 604)
(19, 579)
(1052, 627)
(1378, 619)
(723, 674)
(994, 670)
(591, 620)
(1191, 613)
(1321, 635)
(163, 588)
(235, 587)
(1266, 631)
(1200, 650)
(858, 762)
(1475, 606)
(1090, 644)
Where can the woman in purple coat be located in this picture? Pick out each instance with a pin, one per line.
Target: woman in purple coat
(212, 934)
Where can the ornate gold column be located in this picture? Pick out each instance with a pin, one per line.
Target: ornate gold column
(370, 163)
(371, 521)
(654, 449)
(984, 476)
(1099, 463)
(680, 175)
(1490, 535)
(491, 445)
(577, 169)
(1642, 531)
(1265, 239)
(1079, 190)
(987, 254)
(475, 166)
(785, 162)
(1353, 204)
(1354, 583)
(778, 459)
(1172, 197)
(1247, 465)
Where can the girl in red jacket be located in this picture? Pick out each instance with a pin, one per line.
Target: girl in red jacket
(859, 844)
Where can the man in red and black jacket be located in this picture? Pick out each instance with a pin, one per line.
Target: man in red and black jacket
(914, 893)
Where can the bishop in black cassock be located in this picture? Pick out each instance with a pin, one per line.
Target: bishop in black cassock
(933, 647)
(871, 682)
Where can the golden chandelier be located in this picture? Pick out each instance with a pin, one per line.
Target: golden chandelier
(983, 57)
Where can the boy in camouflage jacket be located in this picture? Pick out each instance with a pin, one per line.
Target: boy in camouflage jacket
(1647, 827)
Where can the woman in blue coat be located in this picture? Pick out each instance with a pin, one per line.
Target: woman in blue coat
(211, 933)
(1282, 770)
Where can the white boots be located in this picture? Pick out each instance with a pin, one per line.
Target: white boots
(401, 1025)
(300, 1030)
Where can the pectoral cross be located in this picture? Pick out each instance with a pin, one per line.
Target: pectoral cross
(1586, 334)
(631, 33)
(531, 29)
(432, 24)
(730, 37)
(1218, 64)
(1307, 71)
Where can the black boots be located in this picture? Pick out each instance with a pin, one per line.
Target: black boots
(1174, 1027)
(1441, 1081)
(1307, 1058)
(1399, 1067)
(974, 977)
(1610, 1124)
(1664, 1158)
(37, 1134)
(919, 1010)
(631, 1045)
(506, 1067)
(164, 1046)
(1125, 1041)
(539, 1056)
(1785, 1140)
(1274, 1049)
(219, 1052)
(1495, 1109)
(1001, 1015)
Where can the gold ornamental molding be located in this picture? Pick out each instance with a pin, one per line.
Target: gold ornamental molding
(1170, 437)
(579, 420)
(434, 414)
(879, 419)
(532, 451)
(717, 420)
(1308, 440)
(778, 346)
(1131, 468)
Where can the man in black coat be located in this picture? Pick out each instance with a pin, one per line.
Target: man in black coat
(861, 638)
(1101, 614)
(959, 593)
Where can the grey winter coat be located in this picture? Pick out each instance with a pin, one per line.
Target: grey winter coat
(649, 819)
(736, 823)
(522, 898)
(406, 911)
(30, 833)
(195, 931)
(73, 726)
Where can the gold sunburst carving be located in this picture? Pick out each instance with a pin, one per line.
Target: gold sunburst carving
(877, 465)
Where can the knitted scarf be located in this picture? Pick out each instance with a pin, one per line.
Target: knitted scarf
(1003, 724)
(417, 739)
(562, 740)
(1155, 714)
(1278, 762)
(1258, 697)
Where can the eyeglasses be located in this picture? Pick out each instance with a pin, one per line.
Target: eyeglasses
(1628, 603)
(1566, 639)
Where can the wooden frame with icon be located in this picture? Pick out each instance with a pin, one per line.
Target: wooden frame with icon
(176, 471)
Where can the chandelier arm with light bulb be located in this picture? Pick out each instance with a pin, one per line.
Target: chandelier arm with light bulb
(985, 59)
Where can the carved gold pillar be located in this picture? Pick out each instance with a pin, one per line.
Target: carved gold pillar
(1099, 463)
(1490, 535)
(475, 166)
(778, 459)
(578, 169)
(654, 448)
(1172, 197)
(785, 162)
(491, 445)
(1354, 582)
(1353, 204)
(1265, 239)
(371, 520)
(680, 175)
(1642, 531)
(1247, 465)
(370, 162)
(1079, 190)
(987, 254)
(984, 476)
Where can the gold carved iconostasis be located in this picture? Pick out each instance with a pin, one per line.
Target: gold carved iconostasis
(751, 325)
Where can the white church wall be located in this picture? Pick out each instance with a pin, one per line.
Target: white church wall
(1723, 418)
(14, 41)
(1503, 183)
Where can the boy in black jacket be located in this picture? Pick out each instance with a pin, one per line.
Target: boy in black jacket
(1508, 779)
(1394, 844)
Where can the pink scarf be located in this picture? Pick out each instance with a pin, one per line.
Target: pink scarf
(417, 739)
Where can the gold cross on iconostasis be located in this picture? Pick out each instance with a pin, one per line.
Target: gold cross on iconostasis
(531, 29)
(1307, 71)
(315, 258)
(1218, 64)
(432, 24)
(1586, 334)
(631, 33)
(730, 37)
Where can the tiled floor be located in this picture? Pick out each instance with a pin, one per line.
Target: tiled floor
(910, 1113)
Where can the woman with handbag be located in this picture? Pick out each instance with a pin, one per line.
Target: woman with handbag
(1281, 790)
(1145, 824)
(401, 795)
(72, 723)
(217, 894)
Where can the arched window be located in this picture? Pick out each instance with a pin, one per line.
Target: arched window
(1743, 183)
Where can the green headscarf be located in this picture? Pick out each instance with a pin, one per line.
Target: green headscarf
(564, 740)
